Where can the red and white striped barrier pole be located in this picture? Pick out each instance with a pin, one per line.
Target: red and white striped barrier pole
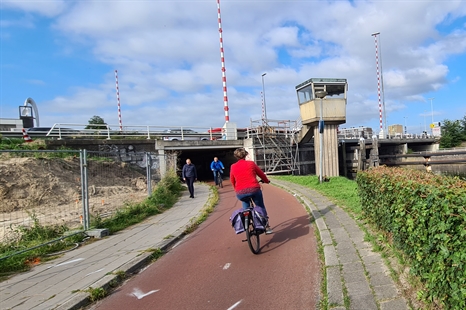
(378, 79)
(26, 137)
(118, 100)
(224, 78)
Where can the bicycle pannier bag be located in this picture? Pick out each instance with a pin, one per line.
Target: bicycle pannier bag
(259, 218)
(237, 221)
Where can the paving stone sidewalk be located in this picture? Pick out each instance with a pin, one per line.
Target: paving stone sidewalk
(350, 263)
(62, 282)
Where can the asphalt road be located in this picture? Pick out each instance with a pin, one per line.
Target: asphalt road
(213, 269)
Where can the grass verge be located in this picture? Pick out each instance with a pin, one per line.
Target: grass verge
(209, 207)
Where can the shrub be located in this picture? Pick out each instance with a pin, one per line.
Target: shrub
(426, 217)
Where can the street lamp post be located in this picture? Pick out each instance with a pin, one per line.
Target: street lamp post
(263, 98)
(321, 94)
(425, 126)
(432, 109)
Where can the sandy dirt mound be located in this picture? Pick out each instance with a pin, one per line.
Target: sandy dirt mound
(51, 190)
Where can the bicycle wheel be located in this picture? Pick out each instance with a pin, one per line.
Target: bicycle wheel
(219, 179)
(251, 235)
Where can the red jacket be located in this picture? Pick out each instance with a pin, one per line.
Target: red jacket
(243, 176)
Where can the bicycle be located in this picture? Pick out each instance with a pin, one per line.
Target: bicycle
(254, 225)
(219, 179)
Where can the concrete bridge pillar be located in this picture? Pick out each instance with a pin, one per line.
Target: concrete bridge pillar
(162, 162)
(330, 150)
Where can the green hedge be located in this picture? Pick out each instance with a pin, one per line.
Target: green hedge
(425, 215)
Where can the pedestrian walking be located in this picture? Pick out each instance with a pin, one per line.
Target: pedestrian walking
(189, 175)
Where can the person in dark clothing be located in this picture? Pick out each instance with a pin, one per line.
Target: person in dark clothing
(189, 175)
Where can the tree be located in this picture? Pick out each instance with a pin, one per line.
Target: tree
(96, 122)
(452, 134)
(463, 123)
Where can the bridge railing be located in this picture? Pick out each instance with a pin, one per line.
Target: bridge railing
(109, 131)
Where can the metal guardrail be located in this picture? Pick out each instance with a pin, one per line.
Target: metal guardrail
(74, 130)
(454, 157)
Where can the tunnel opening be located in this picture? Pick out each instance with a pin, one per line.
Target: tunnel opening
(202, 160)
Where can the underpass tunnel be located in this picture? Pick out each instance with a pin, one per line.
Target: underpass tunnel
(202, 160)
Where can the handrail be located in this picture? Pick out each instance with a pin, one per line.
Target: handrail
(426, 154)
(60, 130)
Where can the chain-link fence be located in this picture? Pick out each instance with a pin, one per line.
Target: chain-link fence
(69, 187)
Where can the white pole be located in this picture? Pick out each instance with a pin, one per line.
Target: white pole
(432, 109)
(264, 110)
(425, 127)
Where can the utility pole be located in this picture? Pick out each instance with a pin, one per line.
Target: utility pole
(264, 108)
(432, 108)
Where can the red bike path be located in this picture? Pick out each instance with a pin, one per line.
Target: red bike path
(213, 269)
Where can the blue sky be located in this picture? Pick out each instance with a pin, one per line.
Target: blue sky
(63, 55)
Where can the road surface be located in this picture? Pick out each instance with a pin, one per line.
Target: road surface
(212, 268)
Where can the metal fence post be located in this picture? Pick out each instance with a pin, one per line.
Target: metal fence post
(84, 188)
(149, 173)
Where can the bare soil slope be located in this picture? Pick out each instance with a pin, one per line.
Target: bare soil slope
(51, 189)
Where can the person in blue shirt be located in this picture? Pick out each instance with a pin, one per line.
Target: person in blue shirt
(189, 175)
(217, 166)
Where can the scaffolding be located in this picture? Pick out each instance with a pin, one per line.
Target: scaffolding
(275, 145)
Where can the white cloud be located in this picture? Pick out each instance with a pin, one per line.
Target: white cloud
(282, 36)
(167, 54)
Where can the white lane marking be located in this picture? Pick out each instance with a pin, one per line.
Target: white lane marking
(139, 294)
(71, 261)
(235, 305)
(65, 263)
(227, 265)
(94, 271)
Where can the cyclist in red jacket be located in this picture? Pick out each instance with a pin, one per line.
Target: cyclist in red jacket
(243, 177)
